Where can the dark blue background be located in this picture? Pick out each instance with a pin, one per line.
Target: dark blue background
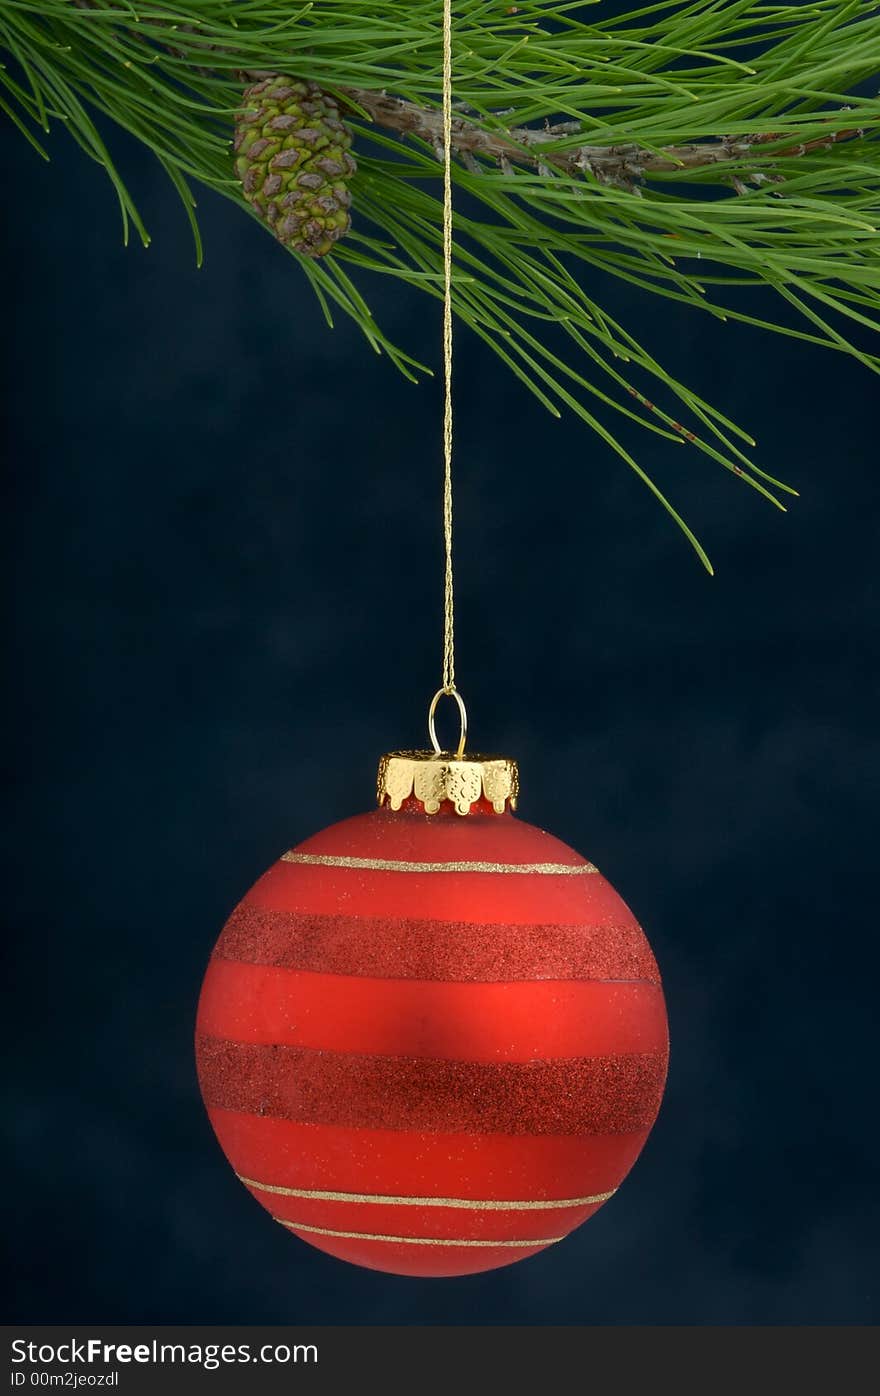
(225, 581)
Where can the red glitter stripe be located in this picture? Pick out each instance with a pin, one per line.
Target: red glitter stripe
(579, 1095)
(518, 1021)
(409, 948)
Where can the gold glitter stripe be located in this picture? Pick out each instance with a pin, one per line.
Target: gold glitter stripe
(413, 1240)
(470, 1203)
(329, 860)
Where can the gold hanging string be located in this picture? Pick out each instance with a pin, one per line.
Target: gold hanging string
(449, 607)
(448, 688)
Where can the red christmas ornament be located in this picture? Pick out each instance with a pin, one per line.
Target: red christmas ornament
(432, 1039)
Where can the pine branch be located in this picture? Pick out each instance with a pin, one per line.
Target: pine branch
(564, 114)
(624, 165)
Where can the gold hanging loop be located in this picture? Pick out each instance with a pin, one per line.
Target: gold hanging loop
(462, 714)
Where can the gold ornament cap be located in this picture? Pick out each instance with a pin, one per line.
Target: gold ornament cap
(432, 777)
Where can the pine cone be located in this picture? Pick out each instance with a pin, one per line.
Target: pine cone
(293, 162)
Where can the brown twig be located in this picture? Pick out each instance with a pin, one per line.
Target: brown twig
(625, 165)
